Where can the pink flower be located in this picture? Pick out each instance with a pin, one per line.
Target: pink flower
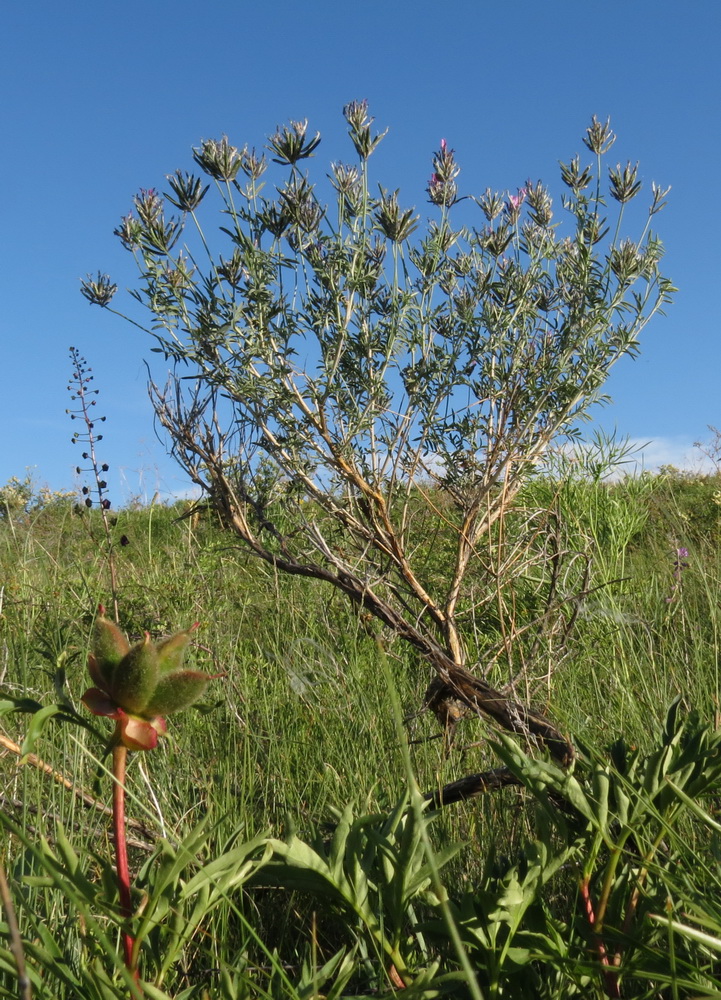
(132, 731)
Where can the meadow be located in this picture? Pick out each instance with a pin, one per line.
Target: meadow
(280, 844)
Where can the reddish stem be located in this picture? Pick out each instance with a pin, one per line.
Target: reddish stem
(395, 978)
(610, 976)
(120, 754)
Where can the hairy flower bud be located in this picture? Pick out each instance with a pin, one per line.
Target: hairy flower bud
(109, 646)
(135, 678)
(177, 691)
(138, 685)
(171, 651)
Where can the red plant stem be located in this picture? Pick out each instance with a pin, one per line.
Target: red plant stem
(16, 944)
(395, 978)
(610, 976)
(120, 754)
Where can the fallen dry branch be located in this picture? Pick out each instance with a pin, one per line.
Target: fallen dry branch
(85, 797)
(479, 696)
(470, 786)
(18, 807)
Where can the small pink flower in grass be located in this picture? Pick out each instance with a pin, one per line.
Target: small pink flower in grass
(139, 685)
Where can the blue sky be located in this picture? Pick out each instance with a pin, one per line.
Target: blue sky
(102, 99)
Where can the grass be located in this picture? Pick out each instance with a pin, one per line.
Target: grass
(303, 725)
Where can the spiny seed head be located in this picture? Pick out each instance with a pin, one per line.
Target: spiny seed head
(514, 205)
(300, 204)
(539, 203)
(659, 198)
(345, 178)
(574, 176)
(442, 188)
(626, 261)
(491, 203)
(149, 206)
(289, 143)
(394, 223)
(98, 291)
(253, 166)
(599, 137)
(624, 185)
(356, 114)
(129, 232)
(188, 191)
(218, 159)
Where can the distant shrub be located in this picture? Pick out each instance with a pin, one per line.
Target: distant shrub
(19, 497)
(686, 503)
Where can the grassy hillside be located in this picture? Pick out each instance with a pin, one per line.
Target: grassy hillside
(304, 723)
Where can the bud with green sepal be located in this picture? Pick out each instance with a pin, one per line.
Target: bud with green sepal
(171, 651)
(136, 676)
(177, 691)
(109, 648)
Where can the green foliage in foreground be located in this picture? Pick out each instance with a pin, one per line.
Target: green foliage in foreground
(280, 845)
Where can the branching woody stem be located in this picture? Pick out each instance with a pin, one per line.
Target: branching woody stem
(362, 368)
